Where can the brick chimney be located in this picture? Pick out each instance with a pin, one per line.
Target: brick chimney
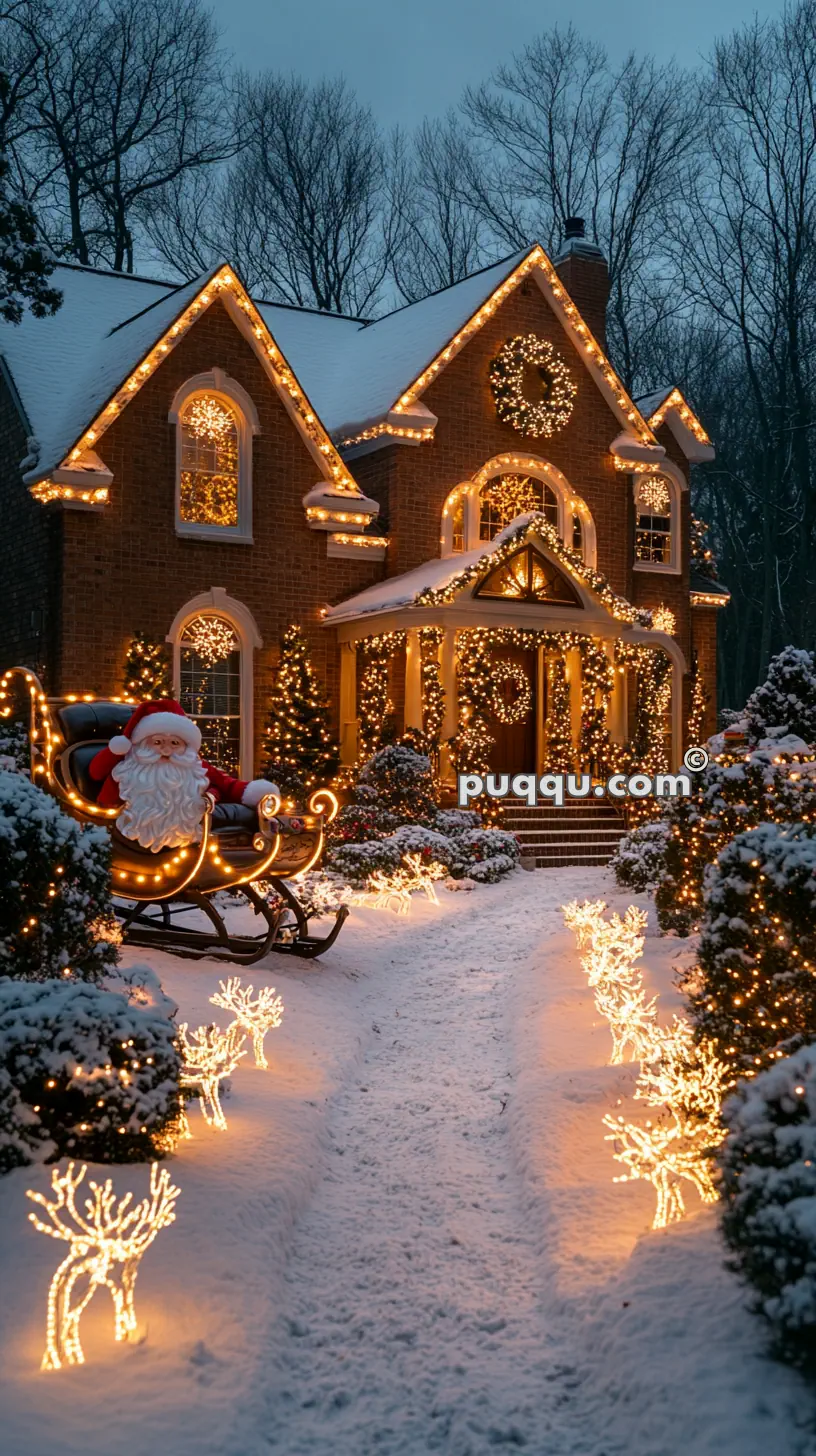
(584, 272)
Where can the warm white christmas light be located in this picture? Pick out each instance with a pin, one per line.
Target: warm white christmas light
(210, 1054)
(382, 889)
(107, 1243)
(255, 1016)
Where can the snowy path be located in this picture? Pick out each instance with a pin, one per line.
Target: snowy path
(414, 1320)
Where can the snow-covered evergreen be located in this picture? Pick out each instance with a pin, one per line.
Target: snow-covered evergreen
(640, 858)
(786, 701)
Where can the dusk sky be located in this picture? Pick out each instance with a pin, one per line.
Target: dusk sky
(415, 58)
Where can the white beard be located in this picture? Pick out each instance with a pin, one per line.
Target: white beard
(163, 797)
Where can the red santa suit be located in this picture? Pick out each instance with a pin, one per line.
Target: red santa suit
(167, 716)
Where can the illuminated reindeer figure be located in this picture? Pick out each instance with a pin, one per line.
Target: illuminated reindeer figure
(255, 1017)
(661, 1154)
(109, 1235)
(210, 1054)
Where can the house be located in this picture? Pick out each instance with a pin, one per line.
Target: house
(467, 471)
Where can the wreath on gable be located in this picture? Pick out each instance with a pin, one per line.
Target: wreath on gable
(533, 389)
(509, 674)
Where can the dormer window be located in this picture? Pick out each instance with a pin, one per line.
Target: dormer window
(477, 510)
(215, 420)
(656, 532)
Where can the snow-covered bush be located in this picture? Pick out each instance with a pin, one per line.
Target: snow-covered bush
(141, 986)
(360, 822)
(735, 792)
(15, 745)
(640, 859)
(403, 784)
(83, 1074)
(54, 883)
(768, 1187)
(786, 701)
(485, 854)
(756, 989)
(428, 844)
(455, 821)
(355, 862)
(481, 854)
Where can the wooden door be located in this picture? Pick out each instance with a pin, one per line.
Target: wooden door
(514, 750)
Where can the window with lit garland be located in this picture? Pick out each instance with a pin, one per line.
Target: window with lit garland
(533, 389)
(210, 687)
(508, 496)
(527, 576)
(654, 523)
(215, 421)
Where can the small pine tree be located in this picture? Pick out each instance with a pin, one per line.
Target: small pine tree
(703, 560)
(786, 701)
(297, 736)
(755, 992)
(147, 669)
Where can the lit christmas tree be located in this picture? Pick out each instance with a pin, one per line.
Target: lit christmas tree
(560, 752)
(298, 746)
(147, 669)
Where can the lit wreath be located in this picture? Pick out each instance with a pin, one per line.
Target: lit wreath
(517, 711)
(551, 411)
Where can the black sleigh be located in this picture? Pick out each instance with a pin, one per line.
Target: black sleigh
(157, 893)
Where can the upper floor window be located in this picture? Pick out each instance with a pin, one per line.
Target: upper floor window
(215, 420)
(655, 523)
(208, 484)
(507, 496)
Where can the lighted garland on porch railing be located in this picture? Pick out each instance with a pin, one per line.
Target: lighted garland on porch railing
(653, 671)
(696, 719)
(560, 751)
(472, 742)
(597, 680)
(433, 694)
(374, 702)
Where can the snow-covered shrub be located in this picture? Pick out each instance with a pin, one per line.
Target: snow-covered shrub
(357, 823)
(15, 745)
(756, 989)
(735, 792)
(141, 986)
(456, 821)
(786, 701)
(83, 1074)
(768, 1187)
(486, 854)
(403, 783)
(640, 859)
(355, 862)
(429, 845)
(54, 883)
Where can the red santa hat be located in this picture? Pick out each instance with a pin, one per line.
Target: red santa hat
(164, 715)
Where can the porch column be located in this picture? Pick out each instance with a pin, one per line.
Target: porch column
(573, 673)
(617, 704)
(542, 670)
(447, 674)
(413, 680)
(349, 722)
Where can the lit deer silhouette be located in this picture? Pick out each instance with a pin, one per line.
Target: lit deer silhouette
(210, 1054)
(107, 1244)
(255, 1017)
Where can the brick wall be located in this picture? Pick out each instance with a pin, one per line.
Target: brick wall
(125, 569)
(704, 642)
(30, 557)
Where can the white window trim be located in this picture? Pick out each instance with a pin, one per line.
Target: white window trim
(670, 475)
(218, 383)
(216, 603)
(569, 503)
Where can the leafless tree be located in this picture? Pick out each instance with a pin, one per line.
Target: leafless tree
(562, 133)
(438, 237)
(130, 96)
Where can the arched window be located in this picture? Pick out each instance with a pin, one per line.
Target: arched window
(656, 524)
(215, 420)
(210, 687)
(507, 496)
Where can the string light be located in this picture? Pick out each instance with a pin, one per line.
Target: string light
(210, 1055)
(212, 639)
(385, 427)
(519, 708)
(255, 1016)
(517, 361)
(107, 1244)
(675, 401)
(663, 619)
(399, 886)
(654, 493)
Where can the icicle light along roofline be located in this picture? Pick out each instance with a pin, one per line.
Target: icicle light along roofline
(223, 282)
(570, 316)
(675, 400)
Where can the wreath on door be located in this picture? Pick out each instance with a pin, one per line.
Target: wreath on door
(533, 389)
(518, 708)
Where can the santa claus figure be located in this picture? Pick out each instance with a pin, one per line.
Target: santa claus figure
(154, 771)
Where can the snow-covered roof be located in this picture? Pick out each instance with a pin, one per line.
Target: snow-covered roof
(670, 404)
(648, 403)
(63, 367)
(402, 591)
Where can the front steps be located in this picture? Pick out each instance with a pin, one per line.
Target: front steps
(579, 832)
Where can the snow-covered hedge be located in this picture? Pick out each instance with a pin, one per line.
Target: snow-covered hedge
(402, 783)
(83, 1074)
(358, 822)
(768, 1187)
(54, 883)
(480, 854)
(756, 988)
(786, 701)
(640, 858)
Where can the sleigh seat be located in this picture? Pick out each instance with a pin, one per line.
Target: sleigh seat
(238, 846)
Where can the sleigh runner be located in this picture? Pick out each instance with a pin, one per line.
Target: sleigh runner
(156, 891)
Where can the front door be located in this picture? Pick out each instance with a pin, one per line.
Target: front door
(513, 723)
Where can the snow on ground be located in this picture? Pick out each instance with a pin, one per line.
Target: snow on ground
(409, 1241)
